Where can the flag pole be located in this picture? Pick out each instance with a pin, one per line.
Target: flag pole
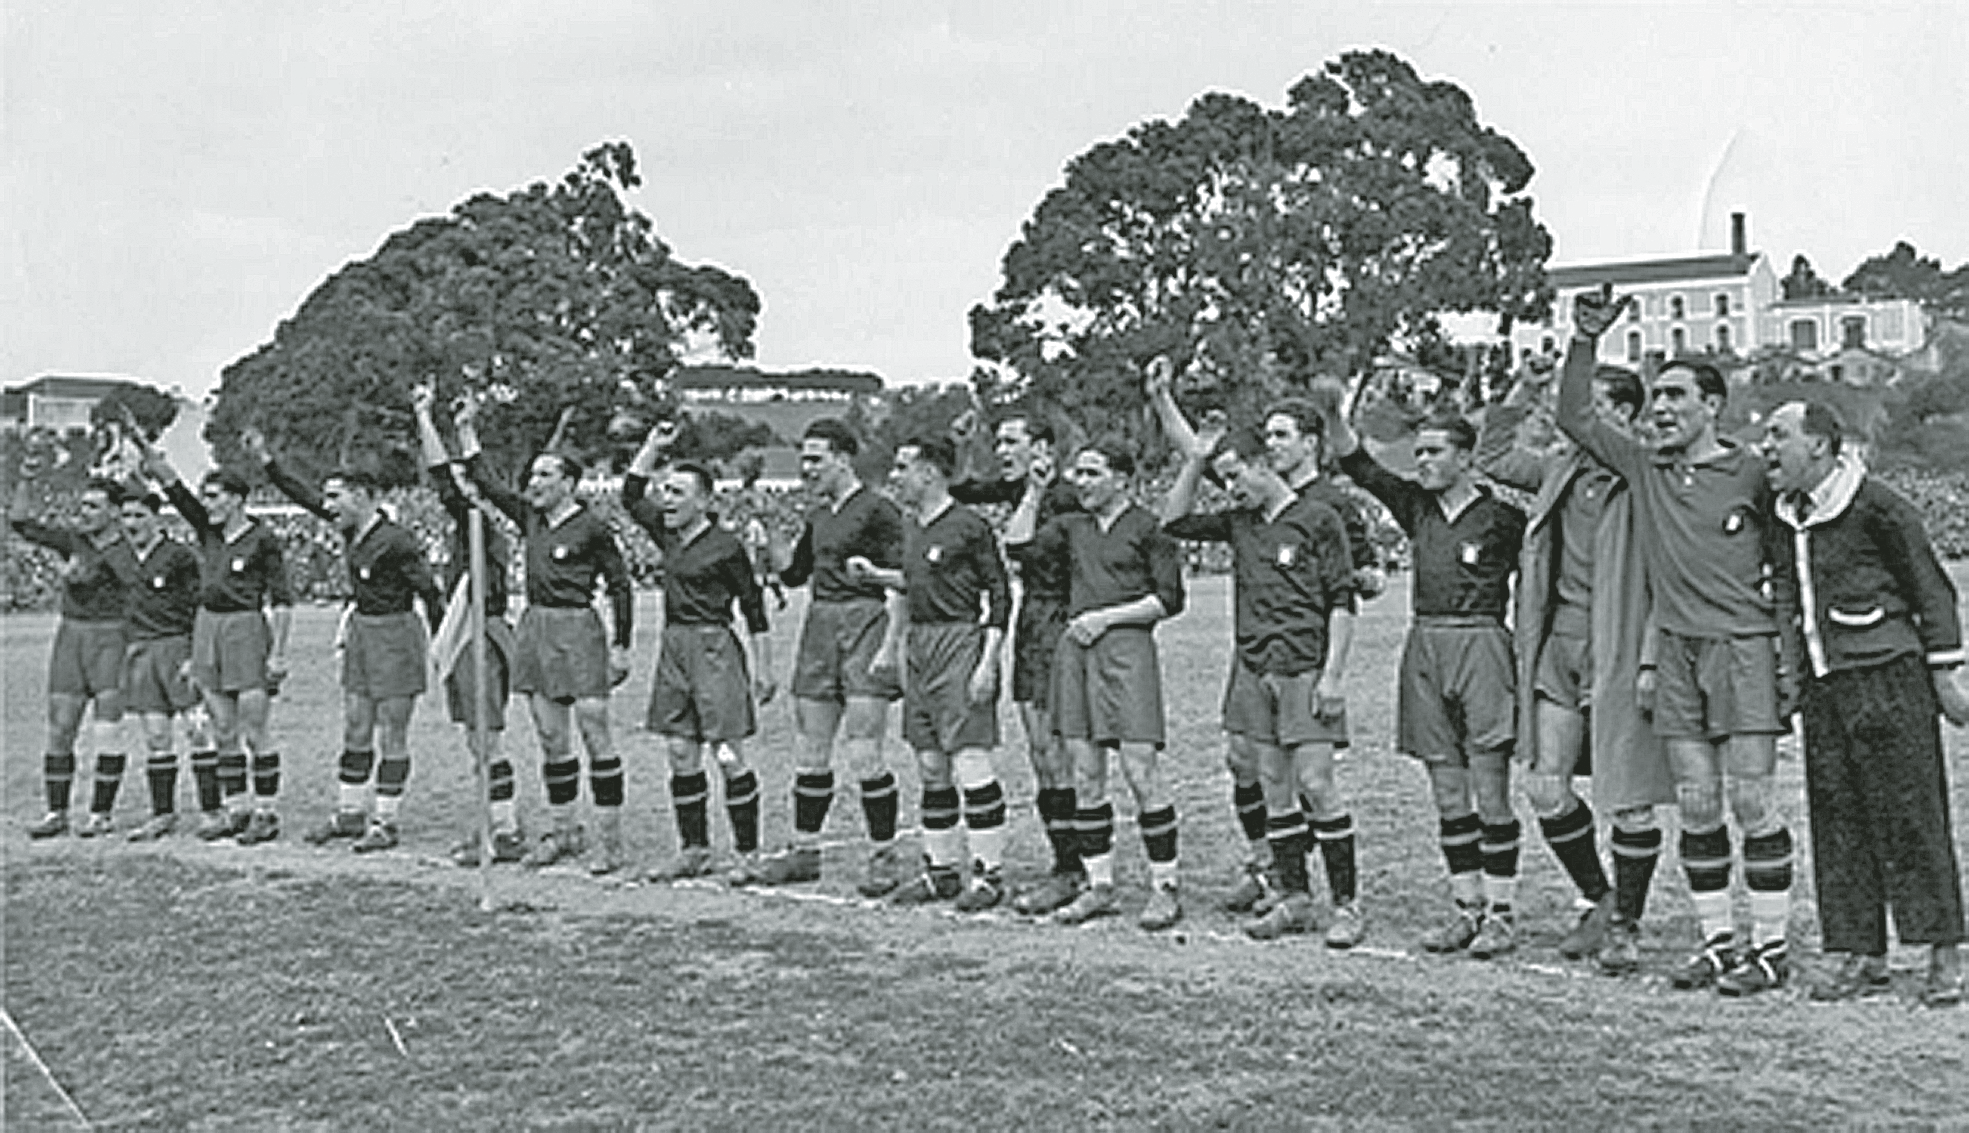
(481, 704)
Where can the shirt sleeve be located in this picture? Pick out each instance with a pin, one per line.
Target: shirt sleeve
(502, 497)
(1578, 420)
(1499, 455)
(1905, 547)
(615, 578)
(280, 591)
(1212, 528)
(300, 491)
(1402, 497)
(745, 584)
(188, 505)
(1165, 557)
(417, 572)
(636, 501)
(57, 539)
(998, 585)
(885, 530)
(801, 567)
(1328, 536)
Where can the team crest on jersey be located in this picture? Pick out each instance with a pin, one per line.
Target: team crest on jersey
(158, 582)
(934, 554)
(364, 572)
(1470, 553)
(1287, 554)
(560, 551)
(1733, 523)
(239, 566)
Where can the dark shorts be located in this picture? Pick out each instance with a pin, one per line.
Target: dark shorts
(837, 645)
(937, 713)
(461, 686)
(154, 681)
(1035, 642)
(385, 656)
(229, 651)
(1111, 691)
(1278, 710)
(1565, 671)
(1457, 694)
(702, 690)
(1709, 688)
(87, 658)
(562, 654)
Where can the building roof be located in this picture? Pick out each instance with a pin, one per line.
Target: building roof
(1672, 270)
(96, 386)
(745, 377)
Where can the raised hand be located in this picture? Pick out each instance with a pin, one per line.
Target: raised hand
(1209, 434)
(1160, 377)
(1593, 313)
(964, 426)
(422, 398)
(1328, 395)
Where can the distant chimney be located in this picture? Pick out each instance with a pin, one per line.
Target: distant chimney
(1739, 242)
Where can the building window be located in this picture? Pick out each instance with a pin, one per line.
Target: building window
(1634, 310)
(1852, 331)
(1675, 308)
(1722, 306)
(1678, 342)
(1723, 336)
(1548, 345)
(1804, 334)
(1633, 346)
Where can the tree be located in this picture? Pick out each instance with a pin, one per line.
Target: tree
(1803, 282)
(1265, 245)
(551, 297)
(1906, 274)
(720, 436)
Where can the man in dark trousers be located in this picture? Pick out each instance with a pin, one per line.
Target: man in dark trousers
(1870, 621)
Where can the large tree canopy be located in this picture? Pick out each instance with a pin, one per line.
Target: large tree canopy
(548, 297)
(1907, 274)
(1267, 244)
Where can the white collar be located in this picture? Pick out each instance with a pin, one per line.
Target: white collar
(1830, 498)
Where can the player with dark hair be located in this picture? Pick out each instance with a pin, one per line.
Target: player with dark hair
(1125, 575)
(564, 662)
(836, 687)
(1026, 450)
(1295, 438)
(157, 687)
(238, 645)
(703, 694)
(85, 664)
(1581, 634)
(1455, 703)
(458, 497)
(1291, 566)
(958, 604)
(384, 647)
(1869, 619)
(1702, 509)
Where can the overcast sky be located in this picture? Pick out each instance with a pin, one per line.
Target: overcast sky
(180, 175)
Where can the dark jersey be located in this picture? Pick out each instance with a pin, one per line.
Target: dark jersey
(96, 585)
(497, 553)
(239, 574)
(864, 524)
(1291, 572)
(386, 563)
(952, 572)
(564, 560)
(1043, 578)
(1463, 566)
(702, 577)
(165, 600)
(1132, 559)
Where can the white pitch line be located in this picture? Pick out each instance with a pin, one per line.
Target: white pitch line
(34, 1055)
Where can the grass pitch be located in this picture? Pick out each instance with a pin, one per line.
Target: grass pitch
(182, 986)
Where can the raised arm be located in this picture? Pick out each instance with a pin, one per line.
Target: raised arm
(1499, 455)
(158, 467)
(471, 454)
(1592, 315)
(20, 516)
(635, 482)
(306, 495)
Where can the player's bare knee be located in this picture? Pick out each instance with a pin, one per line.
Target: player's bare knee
(1701, 804)
(1635, 819)
(686, 756)
(1550, 795)
(1754, 805)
